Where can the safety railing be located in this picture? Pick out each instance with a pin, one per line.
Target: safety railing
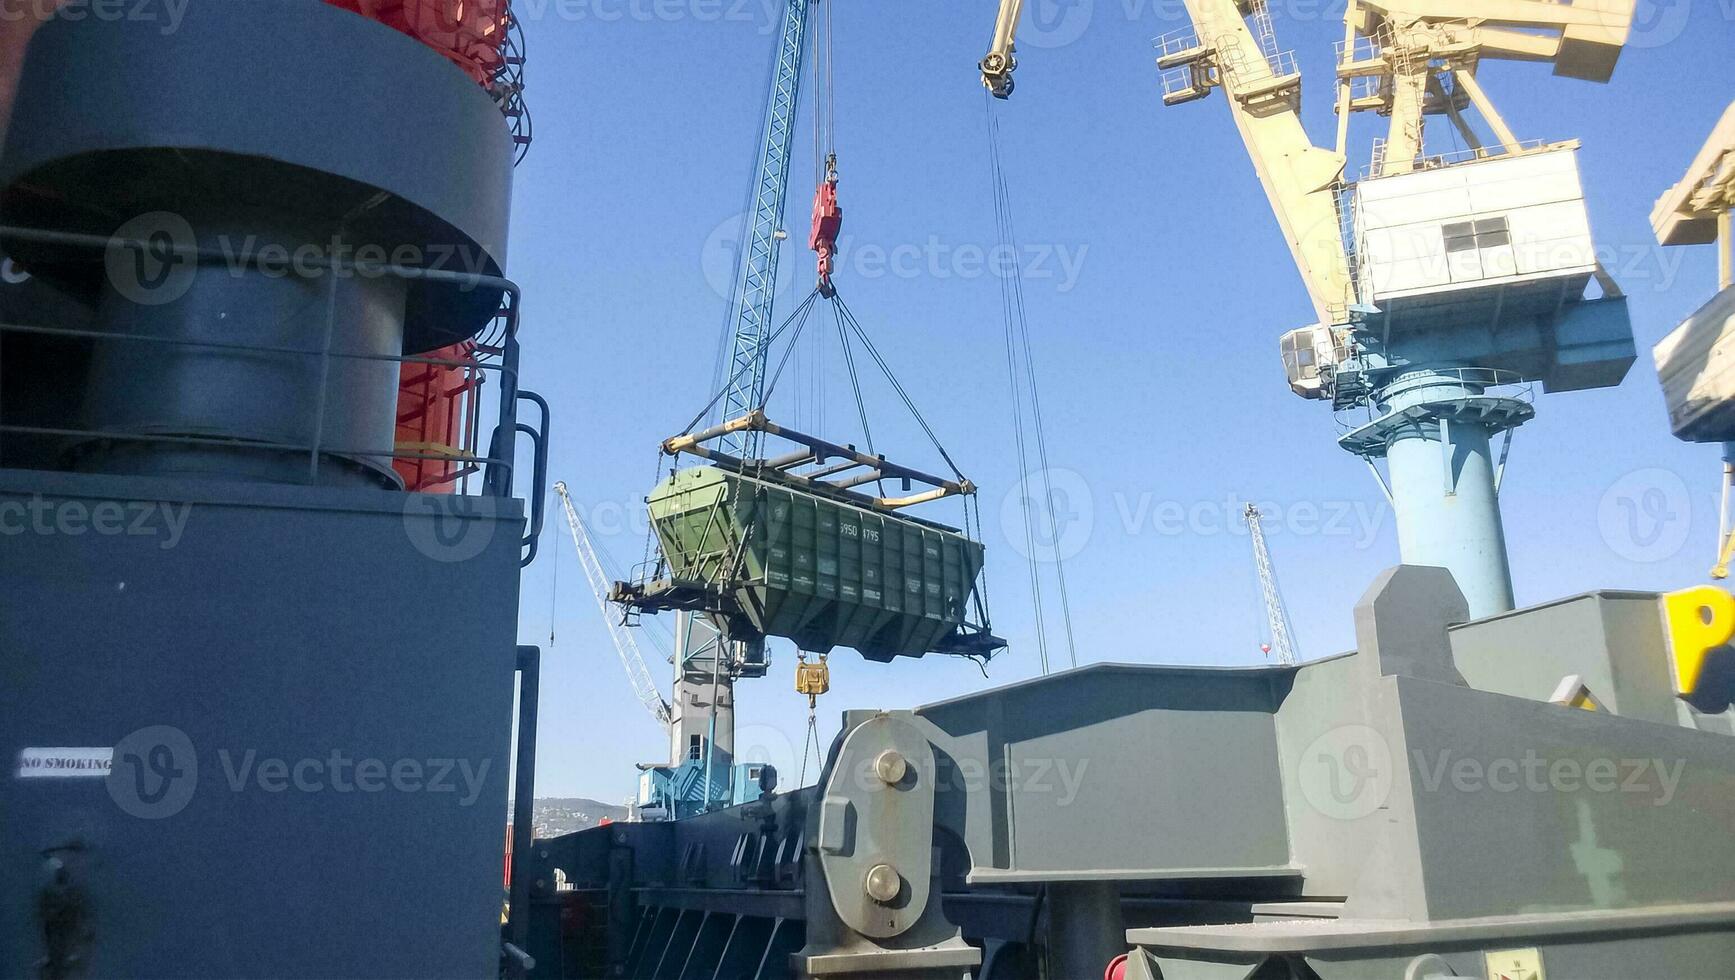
(1363, 88)
(1184, 80)
(438, 411)
(498, 347)
(1479, 382)
(1176, 43)
(507, 86)
(1343, 201)
(1362, 49)
(1188, 66)
(1282, 64)
(1183, 42)
(1435, 161)
(1248, 70)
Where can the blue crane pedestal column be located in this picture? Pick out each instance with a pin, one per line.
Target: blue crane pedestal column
(1435, 428)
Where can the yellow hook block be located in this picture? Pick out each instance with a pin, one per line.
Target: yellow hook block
(812, 679)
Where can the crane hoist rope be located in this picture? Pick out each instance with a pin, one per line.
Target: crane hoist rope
(1021, 373)
(827, 214)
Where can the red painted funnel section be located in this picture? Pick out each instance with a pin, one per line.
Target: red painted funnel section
(472, 33)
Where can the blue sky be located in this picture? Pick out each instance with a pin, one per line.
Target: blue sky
(1157, 284)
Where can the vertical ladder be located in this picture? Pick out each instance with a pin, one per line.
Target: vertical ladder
(1260, 13)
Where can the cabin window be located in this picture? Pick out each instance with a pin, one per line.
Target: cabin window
(1462, 236)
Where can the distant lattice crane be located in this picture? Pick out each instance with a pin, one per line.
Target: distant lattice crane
(624, 644)
(1280, 644)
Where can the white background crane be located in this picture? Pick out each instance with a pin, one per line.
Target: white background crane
(1281, 645)
(644, 687)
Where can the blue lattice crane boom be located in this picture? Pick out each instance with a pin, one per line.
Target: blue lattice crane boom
(756, 276)
(706, 664)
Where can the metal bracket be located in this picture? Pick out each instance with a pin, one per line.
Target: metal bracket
(1446, 473)
(872, 896)
(539, 474)
(1500, 467)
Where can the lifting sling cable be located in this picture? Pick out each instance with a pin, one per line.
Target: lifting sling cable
(973, 503)
(847, 316)
(909, 403)
(1018, 335)
(811, 679)
(854, 380)
(783, 362)
(809, 396)
(798, 320)
(810, 749)
(801, 312)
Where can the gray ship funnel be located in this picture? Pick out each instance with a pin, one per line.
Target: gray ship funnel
(258, 230)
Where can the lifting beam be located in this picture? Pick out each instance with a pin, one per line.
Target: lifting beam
(820, 451)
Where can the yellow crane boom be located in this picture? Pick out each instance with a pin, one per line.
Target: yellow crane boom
(1001, 60)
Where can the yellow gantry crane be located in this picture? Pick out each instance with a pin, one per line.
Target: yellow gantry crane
(1236, 51)
(1696, 361)
(1444, 284)
(1405, 61)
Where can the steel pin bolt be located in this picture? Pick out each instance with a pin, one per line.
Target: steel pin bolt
(883, 883)
(890, 767)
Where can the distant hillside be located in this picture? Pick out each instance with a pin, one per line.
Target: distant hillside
(553, 817)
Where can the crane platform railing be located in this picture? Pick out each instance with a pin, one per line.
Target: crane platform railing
(498, 350)
(1373, 169)
(1277, 64)
(1366, 54)
(1190, 67)
(1488, 383)
(1178, 47)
